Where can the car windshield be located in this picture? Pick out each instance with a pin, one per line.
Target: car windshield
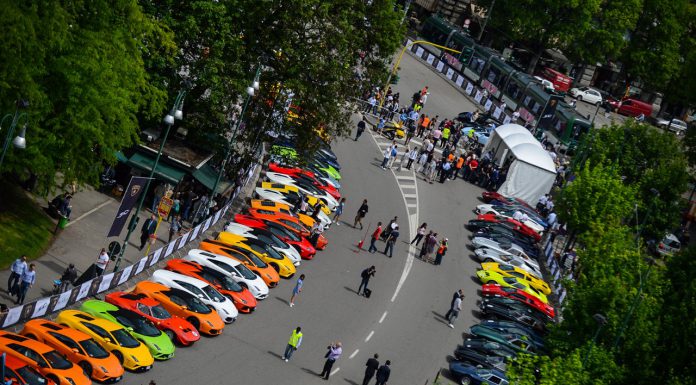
(31, 376)
(57, 361)
(93, 349)
(245, 272)
(284, 234)
(256, 260)
(139, 325)
(196, 305)
(273, 253)
(213, 294)
(228, 284)
(506, 267)
(160, 312)
(125, 339)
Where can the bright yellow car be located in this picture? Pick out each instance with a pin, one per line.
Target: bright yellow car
(281, 263)
(514, 271)
(490, 276)
(132, 354)
(264, 204)
(287, 189)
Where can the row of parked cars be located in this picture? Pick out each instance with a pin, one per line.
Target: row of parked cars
(514, 307)
(196, 295)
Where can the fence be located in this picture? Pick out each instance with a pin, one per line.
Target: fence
(48, 305)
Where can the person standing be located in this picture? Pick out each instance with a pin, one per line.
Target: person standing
(375, 237)
(445, 173)
(393, 236)
(147, 230)
(174, 227)
(68, 278)
(389, 228)
(420, 233)
(393, 155)
(386, 155)
(362, 211)
(456, 307)
(102, 261)
(371, 367)
(424, 249)
(27, 280)
(383, 373)
(16, 270)
(361, 128)
(339, 211)
(429, 245)
(297, 290)
(334, 353)
(293, 344)
(366, 275)
(412, 155)
(441, 251)
(457, 294)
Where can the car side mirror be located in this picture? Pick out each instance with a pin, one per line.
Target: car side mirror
(211, 307)
(130, 329)
(75, 350)
(107, 339)
(184, 307)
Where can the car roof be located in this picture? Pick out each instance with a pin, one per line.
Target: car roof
(47, 325)
(202, 254)
(7, 338)
(139, 297)
(170, 275)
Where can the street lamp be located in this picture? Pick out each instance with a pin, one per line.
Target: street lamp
(601, 321)
(250, 93)
(20, 140)
(174, 114)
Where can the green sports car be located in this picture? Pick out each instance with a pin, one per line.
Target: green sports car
(141, 328)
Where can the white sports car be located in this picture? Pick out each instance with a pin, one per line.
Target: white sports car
(271, 195)
(490, 255)
(233, 269)
(268, 238)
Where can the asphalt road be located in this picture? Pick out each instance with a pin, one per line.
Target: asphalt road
(405, 327)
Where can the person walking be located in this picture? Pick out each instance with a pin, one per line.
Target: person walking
(393, 155)
(174, 227)
(441, 251)
(147, 230)
(420, 233)
(293, 344)
(457, 294)
(26, 281)
(424, 249)
(456, 307)
(338, 212)
(334, 353)
(393, 236)
(375, 237)
(383, 373)
(16, 270)
(362, 211)
(389, 228)
(366, 275)
(371, 368)
(68, 278)
(297, 290)
(361, 128)
(102, 260)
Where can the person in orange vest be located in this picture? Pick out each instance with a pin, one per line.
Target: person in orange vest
(441, 252)
(424, 125)
(458, 166)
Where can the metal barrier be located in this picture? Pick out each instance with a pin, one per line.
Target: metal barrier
(47, 305)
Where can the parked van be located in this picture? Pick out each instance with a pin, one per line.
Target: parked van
(634, 107)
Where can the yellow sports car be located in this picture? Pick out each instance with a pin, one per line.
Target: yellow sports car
(292, 190)
(514, 271)
(132, 354)
(490, 276)
(261, 204)
(281, 263)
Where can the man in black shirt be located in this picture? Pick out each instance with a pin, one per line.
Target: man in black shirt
(372, 366)
(361, 128)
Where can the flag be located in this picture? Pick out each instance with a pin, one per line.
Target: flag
(135, 188)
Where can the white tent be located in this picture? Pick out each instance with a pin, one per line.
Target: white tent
(532, 171)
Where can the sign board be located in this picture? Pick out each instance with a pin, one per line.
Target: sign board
(165, 206)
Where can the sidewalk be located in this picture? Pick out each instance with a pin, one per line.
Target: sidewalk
(81, 241)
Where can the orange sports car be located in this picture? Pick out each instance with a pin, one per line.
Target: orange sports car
(265, 204)
(251, 261)
(43, 358)
(291, 223)
(21, 373)
(242, 298)
(77, 347)
(184, 305)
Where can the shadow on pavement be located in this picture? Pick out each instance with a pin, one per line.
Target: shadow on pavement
(274, 354)
(450, 358)
(438, 315)
(476, 313)
(310, 371)
(447, 374)
(350, 289)
(283, 300)
(475, 280)
(351, 382)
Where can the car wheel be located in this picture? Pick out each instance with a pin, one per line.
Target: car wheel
(490, 212)
(194, 321)
(53, 378)
(170, 334)
(244, 285)
(275, 267)
(465, 380)
(598, 103)
(488, 260)
(579, 98)
(87, 368)
(119, 356)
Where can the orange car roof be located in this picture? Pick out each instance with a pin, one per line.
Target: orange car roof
(47, 325)
(9, 338)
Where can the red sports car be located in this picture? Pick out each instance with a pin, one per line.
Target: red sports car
(242, 298)
(516, 225)
(489, 196)
(288, 222)
(178, 329)
(308, 176)
(301, 244)
(493, 290)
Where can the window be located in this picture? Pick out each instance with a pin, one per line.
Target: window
(177, 300)
(125, 339)
(57, 361)
(97, 330)
(66, 341)
(193, 289)
(93, 349)
(245, 272)
(223, 266)
(30, 354)
(143, 309)
(159, 312)
(29, 374)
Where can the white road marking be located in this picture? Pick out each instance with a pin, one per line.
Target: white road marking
(383, 317)
(369, 335)
(88, 213)
(335, 371)
(353, 354)
(410, 196)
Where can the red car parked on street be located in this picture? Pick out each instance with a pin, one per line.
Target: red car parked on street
(300, 243)
(493, 290)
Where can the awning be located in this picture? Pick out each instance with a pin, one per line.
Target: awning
(207, 176)
(169, 173)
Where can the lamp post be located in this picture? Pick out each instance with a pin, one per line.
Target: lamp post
(636, 301)
(19, 141)
(176, 113)
(250, 91)
(601, 321)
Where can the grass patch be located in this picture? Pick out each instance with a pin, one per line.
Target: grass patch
(24, 227)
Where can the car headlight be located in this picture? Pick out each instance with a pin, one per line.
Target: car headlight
(135, 358)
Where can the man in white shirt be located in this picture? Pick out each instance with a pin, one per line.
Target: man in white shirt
(18, 267)
(102, 261)
(517, 215)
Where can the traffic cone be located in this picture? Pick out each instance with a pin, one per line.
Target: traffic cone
(361, 243)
